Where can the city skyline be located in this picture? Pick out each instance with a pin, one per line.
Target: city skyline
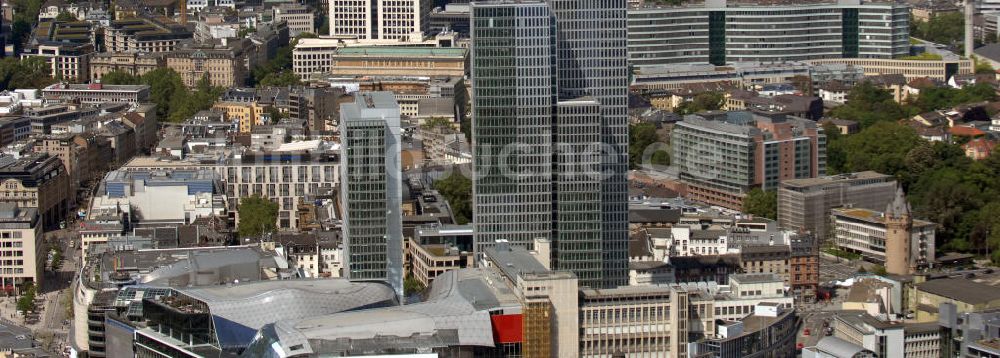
(500, 178)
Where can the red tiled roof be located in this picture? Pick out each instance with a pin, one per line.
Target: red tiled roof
(922, 82)
(964, 131)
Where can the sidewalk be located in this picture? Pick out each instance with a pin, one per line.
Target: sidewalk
(8, 311)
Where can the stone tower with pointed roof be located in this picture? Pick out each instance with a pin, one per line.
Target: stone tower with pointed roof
(898, 234)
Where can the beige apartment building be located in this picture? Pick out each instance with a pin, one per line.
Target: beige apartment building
(643, 321)
(225, 63)
(298, 17)
(313, 56)
(430, 260)
(767, 259)
(22, 256)
(68, 61)
(249, 115)
(398, 61)
(36, 181)
(84, 156)
(135, 63)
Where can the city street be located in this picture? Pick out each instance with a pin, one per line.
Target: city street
(814, 315)
(49, 329)
(813, 321)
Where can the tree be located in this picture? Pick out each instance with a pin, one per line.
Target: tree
(411, 285)
(918, 161)
(26, 303)
(457, 189)
(164, 86)
(946, 28)
(882, 147)
(984, 67)
(120, 78)
(282, 78)
(761, 203)
(275, 114)
(185, 104)
(982, 227)
(245, 31)
(57, 258)
(174, 101)
(868, 104)
(31, 72)
(835, 156)
(935, 98)
(437, 122)
(944, 197)
(257, 216)
(25, 18)
(66, 17)
(880, 270)
(277, 71)
(660, 157)
(641, 136)
(708, 101)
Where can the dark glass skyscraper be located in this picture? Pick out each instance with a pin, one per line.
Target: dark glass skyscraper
(550, 82)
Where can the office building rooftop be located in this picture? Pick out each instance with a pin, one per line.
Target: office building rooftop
(399, 51)
(871, 216)
(831, 179)
(515, 261)
(961, 289)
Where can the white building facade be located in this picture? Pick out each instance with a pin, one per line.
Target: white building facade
(862, 231)
(402, 20)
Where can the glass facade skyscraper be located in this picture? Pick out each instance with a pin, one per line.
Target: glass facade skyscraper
(550, 82)
(371, 189)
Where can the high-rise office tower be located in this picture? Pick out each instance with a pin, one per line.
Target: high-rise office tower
(550, 131)
(406, 20)
(371, 190)
(723, 32)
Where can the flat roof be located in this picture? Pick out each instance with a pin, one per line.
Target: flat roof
(755, 278)
(962, 290)
(754, 323)
(829, 179)
(403, 51)
(872, 216)
(838, 347)
(95, 87)
(627, 291)
(926, 327)
(858, 318)
(515, 261)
